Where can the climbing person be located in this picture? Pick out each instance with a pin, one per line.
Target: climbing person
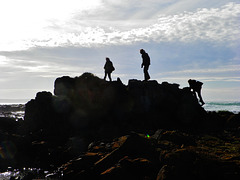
(109, 68)
(196, 86)
(145, 64)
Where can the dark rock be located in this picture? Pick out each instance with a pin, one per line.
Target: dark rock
(129, 169)
(43, 115)
(39, 112)
(179, 156)
(214, 121)
(179, 163)
(177, 137)
(233, 121)
(131, 156)
(90, 107)
(133, 146)
(80, 168)
(8, 124)
(63, 86)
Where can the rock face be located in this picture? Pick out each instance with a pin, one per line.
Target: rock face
(89, 106)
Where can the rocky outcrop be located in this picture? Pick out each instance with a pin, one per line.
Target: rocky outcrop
(89, 106)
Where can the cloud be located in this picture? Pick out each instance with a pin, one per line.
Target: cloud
(219, 24)
(124, 23)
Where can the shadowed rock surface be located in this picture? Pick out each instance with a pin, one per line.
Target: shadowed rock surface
(90, 106)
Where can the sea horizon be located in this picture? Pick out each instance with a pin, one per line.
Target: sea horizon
(13, 101)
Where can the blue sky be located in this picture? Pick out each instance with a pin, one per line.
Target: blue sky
(43, 40)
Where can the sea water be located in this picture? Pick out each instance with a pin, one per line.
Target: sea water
(223, 106)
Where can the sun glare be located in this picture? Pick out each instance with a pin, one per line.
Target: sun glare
(26, 20)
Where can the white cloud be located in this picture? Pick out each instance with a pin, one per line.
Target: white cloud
(220, 24)
(215, 24)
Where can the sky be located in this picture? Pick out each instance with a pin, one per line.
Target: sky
(43, 40)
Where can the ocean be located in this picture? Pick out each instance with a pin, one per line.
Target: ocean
(223, 106)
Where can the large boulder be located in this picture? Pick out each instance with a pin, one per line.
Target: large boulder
(47, 116)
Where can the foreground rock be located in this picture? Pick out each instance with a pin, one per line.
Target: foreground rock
(164, 155)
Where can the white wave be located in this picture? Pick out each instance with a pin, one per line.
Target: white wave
(231, 106)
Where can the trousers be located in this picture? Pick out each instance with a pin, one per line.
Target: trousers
(146, 74)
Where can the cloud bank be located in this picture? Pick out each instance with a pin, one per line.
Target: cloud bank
(219, 25)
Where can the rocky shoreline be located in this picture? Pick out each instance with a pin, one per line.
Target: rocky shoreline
(91, 128)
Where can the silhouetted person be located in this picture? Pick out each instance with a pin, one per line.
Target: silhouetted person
(145, 64)
(108, 69)
(196, 86)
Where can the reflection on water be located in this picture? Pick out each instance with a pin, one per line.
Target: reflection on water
(30, 173)
(16, 115)
(15, 111)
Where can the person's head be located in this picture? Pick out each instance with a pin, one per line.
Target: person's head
(107, 59)
(142, 51)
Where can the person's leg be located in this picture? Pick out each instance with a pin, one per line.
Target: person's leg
(146, 74)
(105, 76)
(109, 76)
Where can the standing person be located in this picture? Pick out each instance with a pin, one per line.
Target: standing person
(196, 86)
(145, 64)
(108, 69)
